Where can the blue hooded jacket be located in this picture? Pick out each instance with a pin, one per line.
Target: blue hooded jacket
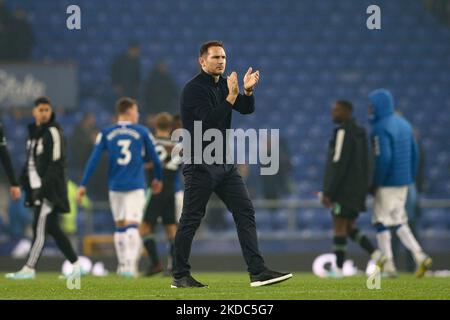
(395, 148)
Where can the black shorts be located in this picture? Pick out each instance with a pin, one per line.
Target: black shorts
(344, 212)
(161, 205)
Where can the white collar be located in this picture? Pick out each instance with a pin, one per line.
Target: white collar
(123, 122)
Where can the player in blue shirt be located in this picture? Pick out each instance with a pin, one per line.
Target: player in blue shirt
(129, 146)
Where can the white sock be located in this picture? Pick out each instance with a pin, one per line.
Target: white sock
(27, 269)
(376, 255)
(410, 242)
(133, 251)
(119, 244)
(384, 243)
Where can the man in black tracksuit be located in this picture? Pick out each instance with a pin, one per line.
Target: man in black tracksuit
(45, 184)
(346, 183)
(7, 165)
(210, 99)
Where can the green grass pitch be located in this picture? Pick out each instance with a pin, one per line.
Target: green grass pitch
(224, 286)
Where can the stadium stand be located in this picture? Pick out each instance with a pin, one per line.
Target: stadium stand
(309, 53)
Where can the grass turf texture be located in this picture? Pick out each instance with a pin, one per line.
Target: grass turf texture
(225, 286)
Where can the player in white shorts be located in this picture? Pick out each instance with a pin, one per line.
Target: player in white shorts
(129, 146)
(389, 206)
(396, 159)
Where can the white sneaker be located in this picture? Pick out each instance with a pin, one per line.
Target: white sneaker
(79, 268)
(128, 275)
(389, 270)
(24, 274)
(335, 274)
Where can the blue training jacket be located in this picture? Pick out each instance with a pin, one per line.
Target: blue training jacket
(396, 152)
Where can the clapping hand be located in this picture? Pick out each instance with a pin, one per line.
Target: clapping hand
(250, 80)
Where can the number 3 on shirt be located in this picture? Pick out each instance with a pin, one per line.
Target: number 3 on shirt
(124, 152)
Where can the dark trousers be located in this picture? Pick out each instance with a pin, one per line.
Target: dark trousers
(201, 181)
(46, 220)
